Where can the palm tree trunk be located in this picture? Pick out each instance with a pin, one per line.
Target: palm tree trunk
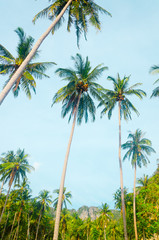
(28, 230)
(121, 176)
(37, 230)
(104, 232)
(5, 203)
(58, 211)
(134, 205)
(13, 224)
(1, 187)
(20, 70)
(144, 235)
(5, 226)
(17, 231)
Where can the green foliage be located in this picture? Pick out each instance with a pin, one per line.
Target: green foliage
(120, 94)
(65, 198)
(138, 149)
(80, 89)
(10, 64)
(81, 13)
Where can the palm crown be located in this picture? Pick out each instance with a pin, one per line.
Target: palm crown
(10, 64)
(155, 70)
(65, 198)
(81, 86)
(14, 166)
(80, 13)
(44, 199)
(120, 93)
(139, 148)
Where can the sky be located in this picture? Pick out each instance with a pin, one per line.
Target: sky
(127, 44)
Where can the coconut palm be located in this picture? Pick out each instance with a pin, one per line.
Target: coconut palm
(138, 149)
(10, 64)
(81, 14)
(76, 100)
(14, 169)
(23, 198)
(44, 201)
(119, 96)
(155, 70)
(105, 214)
(143, 181)
(65, 198)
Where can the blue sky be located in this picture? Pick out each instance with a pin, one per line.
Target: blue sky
(128, 45)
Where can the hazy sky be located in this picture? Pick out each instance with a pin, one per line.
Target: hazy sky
(128, 45)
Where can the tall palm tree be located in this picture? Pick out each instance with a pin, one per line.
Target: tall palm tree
(10, 64)
(119, 96)
(155, 70)
(80, 13)
(14, 170)
(44, 201)
(65, 198)
(76, 100)
(138, 149)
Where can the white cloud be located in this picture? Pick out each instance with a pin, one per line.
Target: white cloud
(36, 165)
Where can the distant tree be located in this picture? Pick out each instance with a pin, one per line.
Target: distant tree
(10, 64)
(44, 202)
(138, 149)
(119, 96)
(143, 181)
(65, 198)
(14, 169)
(105, 214)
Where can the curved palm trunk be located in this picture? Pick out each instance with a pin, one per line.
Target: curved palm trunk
(20, 70)
(5, 203)
(37, 230)
(13, 224)
(59, 204)
(1, 187)
(134, 205)
(121, 177)
(5, 226)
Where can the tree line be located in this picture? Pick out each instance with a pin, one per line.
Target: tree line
(27, 217)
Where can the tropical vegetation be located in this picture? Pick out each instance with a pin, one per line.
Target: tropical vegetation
(28, 217)
(25, 216)
(76, 98)
(10, 64)
(119, 96)
(138, 149)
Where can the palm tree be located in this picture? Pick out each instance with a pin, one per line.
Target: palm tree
(80, 12)
(143, 181)
(105, 214)
(139, 149)
(14, 170)
(87, 226)
(65, 216)
(119, 96)
(65, 198)
(23, 197)
(154, 70)
(10, 64)
(76, 100)
(44, 201)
